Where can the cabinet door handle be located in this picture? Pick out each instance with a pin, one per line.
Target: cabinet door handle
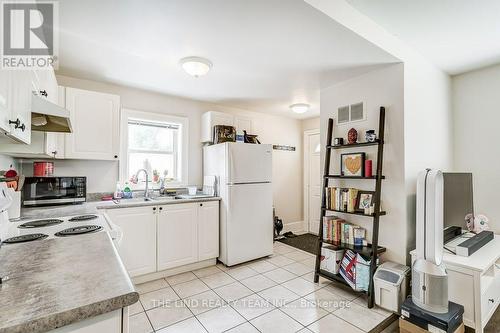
(16, 123)
(22, 127)
(491, 300)
(44, 93)
(54, 153)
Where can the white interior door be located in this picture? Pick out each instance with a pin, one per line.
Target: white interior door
(313, 180)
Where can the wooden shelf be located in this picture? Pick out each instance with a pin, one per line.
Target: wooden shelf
(364, 250)
(359, 144)
(338, 278)
(354, 213)
(351, 177)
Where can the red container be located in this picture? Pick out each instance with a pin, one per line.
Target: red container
(43, 169)
(368, 168)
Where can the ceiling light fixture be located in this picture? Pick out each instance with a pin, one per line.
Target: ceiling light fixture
(196, 66)
(300, 107)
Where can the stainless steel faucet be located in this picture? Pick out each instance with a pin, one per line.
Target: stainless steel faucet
(146, 190)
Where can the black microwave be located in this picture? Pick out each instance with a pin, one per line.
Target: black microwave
(43, 191)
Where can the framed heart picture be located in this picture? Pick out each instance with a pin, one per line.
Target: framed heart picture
(352, 164)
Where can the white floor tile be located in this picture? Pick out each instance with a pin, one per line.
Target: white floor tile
(327, 300)
(278, 295)
(158, 298)
(276, 321)
(243, 328)
(283, 249)
(303, 311)
(280, 275)
(252, 306)
(220, 319)
(206, 271)
(300, 286)
(362, 300)
(297, 255)
(233, 291)
(309, 262)
(222, 267)
(135, 308)
(341, 290)
(139, 323)
(191, 325)
(203, 302)
(217, 280)
(331, 323)
(167, 315)
(190, 288)
(241, 272)
(322, 281)
(180, 278)
(359, 316)
(151, 286)
(262, 266)
(258, 282)
(305, 330)
(298, 268)
(280, 260)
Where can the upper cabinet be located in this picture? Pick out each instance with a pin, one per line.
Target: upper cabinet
(211, 118)
(5, 100)
(95, 119)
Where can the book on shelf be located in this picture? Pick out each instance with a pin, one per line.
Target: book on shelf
(339, 231)
(341, 199)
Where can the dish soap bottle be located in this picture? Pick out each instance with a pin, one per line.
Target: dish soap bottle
(127, 192)
(118, 191)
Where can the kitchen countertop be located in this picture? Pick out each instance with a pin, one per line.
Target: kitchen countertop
(57, 282)
(91, 207)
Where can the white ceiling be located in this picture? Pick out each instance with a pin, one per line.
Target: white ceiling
(267, 54)
(456, 35)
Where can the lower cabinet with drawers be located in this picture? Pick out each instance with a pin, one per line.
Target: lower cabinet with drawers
(163, 237)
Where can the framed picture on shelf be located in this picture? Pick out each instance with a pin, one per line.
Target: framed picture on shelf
(352, 164)
(364, 200)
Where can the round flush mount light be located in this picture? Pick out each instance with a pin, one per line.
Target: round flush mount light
(300, 107)
(196, 66)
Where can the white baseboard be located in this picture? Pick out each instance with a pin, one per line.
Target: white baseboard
(295, 227)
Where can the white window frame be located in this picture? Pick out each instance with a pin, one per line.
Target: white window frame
(182, 163)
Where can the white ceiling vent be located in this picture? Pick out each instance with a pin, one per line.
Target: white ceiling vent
(351, 113)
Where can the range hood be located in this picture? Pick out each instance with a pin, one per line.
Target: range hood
(48, 117)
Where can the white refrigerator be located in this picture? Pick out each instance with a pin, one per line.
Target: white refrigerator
(244, 182)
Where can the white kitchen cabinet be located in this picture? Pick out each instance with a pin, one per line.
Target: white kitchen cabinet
(137, 248)
(177, 235)
(21, 91)
(243, 124)
(211, 118)
(5, 99)
(208, 230)
(95, 120)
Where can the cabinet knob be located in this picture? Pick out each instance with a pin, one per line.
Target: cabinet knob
(54, 153)
(154, 208)
(491, 300)
(22, 127)
(201, 205)
(116, 156)
(44, 93)
(161, 208)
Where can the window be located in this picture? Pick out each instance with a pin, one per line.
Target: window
(156, 143)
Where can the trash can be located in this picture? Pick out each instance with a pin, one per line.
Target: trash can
(391, 285)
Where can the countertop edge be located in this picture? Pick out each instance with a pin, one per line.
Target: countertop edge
(124, 204)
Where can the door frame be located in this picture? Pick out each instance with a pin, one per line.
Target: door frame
(307, 134)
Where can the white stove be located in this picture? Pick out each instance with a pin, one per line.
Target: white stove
(29, 230)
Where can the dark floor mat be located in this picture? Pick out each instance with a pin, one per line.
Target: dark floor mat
(306, 242)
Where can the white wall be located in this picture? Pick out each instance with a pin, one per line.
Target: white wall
(287, 166)
(427, 101)
(476, 111)
(311, 123)
(382, 87)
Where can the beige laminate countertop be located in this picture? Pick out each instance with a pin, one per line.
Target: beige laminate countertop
(56, 282)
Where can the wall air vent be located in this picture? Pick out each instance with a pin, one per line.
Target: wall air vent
(343, 115)
(351, 113)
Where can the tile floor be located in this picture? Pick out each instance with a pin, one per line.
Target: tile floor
(274, 294)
